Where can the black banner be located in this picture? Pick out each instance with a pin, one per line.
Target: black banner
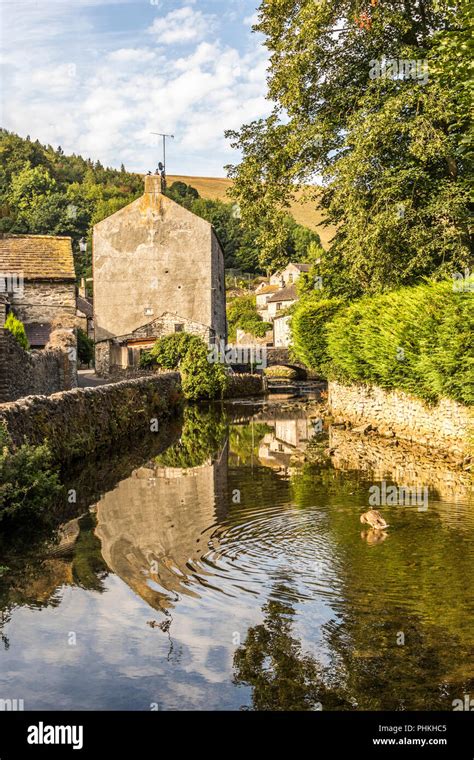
(84, 734)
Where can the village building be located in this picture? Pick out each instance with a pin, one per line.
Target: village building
(263, 293)
(158, 269)
(289, 275)
(281, 331)
(282, 299)
(37, 281)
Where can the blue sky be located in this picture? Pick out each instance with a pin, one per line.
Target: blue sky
(97, 76)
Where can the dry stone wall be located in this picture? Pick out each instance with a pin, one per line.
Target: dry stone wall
(447, 425)
(78, 421)
(25, 373)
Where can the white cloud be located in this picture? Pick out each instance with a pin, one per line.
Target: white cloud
(130, 55)
(183, 25)
(251, 20)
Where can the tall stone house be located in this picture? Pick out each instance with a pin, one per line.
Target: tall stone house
(37, 282)
(157, 269)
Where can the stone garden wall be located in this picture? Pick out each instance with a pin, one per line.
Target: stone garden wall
(78, 421)
(447, 425)
(24, 373)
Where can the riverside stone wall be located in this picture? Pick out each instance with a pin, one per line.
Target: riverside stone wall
(78, 421)
(446, 425)
(24, 373)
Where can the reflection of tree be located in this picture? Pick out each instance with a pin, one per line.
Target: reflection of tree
(282, 676)
(203, 434)
(244, 441)
(88, 568)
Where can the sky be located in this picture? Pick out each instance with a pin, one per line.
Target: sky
(98, 76)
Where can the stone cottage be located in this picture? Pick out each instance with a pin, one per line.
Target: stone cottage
(37, 280)
(158, 269)
(289, 275)
(282, 299)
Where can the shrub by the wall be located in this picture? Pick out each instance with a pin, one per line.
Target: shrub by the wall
(17, 329)
(28, 480)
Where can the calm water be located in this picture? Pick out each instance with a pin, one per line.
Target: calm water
(214, 568)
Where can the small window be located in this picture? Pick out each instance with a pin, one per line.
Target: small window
(178, 328)
(290, 277)
(278, 306)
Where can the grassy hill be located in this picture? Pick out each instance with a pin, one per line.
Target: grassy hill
(215, 188)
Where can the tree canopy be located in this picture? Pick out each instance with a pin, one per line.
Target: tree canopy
(369, 99)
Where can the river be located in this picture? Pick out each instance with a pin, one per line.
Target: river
(221, 565)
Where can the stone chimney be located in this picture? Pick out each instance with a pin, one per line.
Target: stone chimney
(153, 184)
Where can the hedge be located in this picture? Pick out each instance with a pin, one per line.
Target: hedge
(416, 339)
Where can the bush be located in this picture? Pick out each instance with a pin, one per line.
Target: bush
(419, 340)
(168, 352)
(309, 324)
(242, 314)
(200, 378)
(17, 329)
(85, 347)
(28, 482)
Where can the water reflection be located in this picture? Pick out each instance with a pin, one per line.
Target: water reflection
(224, 566)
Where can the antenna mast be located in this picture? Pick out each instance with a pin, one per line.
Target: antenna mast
(162, 166)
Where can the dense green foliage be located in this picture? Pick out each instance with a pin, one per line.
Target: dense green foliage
(28, 480)
(309, 322)
(85, 347)
(17, 329)
(419, 340)
(392, 146)
(200, 377)
(242, 314)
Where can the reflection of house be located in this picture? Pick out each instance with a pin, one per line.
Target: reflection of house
(281, 331)
(289, 275)
(282, 299)
(289, 436)
(152, 526)
(37, 277)
(158, 269)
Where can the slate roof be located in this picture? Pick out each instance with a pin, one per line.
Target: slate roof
(285, 294)
(267, 289)
(38, 257)
(85, 306)
(302, 267)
